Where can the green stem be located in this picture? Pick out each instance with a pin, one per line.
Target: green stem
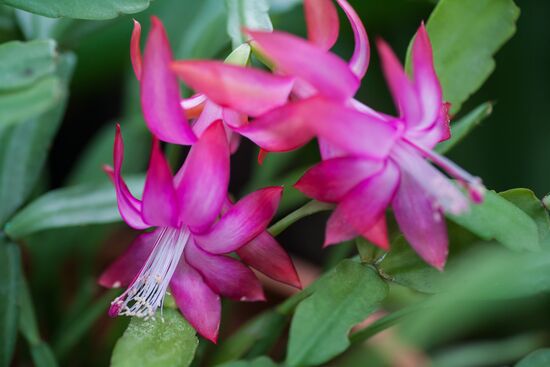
(308, 209)
(382, 324)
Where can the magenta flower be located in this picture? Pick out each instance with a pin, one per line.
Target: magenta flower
(364, 182)
(252, 92)
(278, 126)
(196, 227)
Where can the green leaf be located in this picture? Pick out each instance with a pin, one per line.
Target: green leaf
(24, 147)
(258, 331)
(497, 218)
(24, 63)
(34, 26)
(251, 14)
(403, 265)
(463, 50)
(23, 104)
(488, 283)
(258, 362)
(527, 201)
(41, 352)
(160, 341)
(464, 126)
(321, 324)
(539, 358)
(9, 286)
(80, 9)
(72, 206)
(488, 353)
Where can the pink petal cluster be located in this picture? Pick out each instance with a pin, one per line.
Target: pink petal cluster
(371, 160)
(196, 226)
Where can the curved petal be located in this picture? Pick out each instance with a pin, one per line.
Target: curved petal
(265, 254)
(338, 230)
(242, 222)
(193, 105)
(378, 233)
(128, 206)
(198, 303)
(210, 113)
(446, 194)
(284, 128)
(421, 222)
(160, 204)
(127, 266)
(363, 206)
(332, 179)
(308, 63)
(135, 51)
(348, 129)
(402, 90)
(322, 22)
(160, 91)
(247, 90)
(225, 275)
(202, 183)
(425, 80)
(359, 62)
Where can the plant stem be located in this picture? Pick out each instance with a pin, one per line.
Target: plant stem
(308, 209)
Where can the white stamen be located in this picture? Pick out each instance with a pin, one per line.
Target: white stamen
(146, 293)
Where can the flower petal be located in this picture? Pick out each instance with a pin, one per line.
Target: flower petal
(322, 22)
(359, 62)
(332, 179)
(348, 129)
(421, 222)
(210, 113)
(402, 90)
(128, 206)
(425, 80)
(193, 105)
(280, 130)
(446, 194)
(242, 222)
(127, 266)
(363, 206)
(264, 254)
(308, 63)
(160, 91)
(135, 50)
(198, 303)
(225, 275)
(247, 90)
(160, 204)
(204, 178)
(378, 233)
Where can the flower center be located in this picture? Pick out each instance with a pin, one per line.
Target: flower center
(146, 293)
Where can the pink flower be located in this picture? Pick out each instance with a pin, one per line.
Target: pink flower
(365, 177)
(280, 127)
(196, 226)
(251, 92)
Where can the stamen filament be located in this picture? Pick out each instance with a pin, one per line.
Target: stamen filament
(146, 293)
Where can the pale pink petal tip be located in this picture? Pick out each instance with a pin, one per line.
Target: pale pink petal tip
(359, 62)
(322, 22)
(135, 50)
